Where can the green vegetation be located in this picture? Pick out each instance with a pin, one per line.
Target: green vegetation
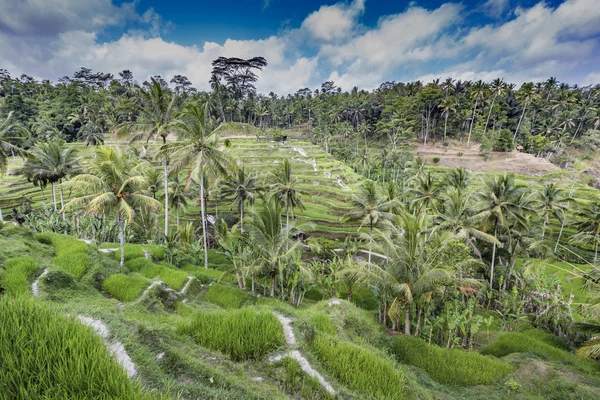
(449, 366)
(359, 368)
(227, 297)
(241, 334)
(124, 287)
(35, 363)
(174, 278)
(71, 253)
(15, 277)
(297, 383)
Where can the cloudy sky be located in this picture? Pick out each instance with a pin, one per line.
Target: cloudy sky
(355, 43)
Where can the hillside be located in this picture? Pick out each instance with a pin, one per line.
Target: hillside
(253, 347)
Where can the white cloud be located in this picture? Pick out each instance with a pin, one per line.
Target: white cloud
(333, 22)
(593, 78)
(495, 8)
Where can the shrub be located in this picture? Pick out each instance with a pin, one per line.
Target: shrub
(175, 279)
(35, 363)
(71, 253)
(436, 160)
(460, 154)
(15, 279)
(449, 366)
(514, 342)
(241, 334)
(359, 368)
(124, 287)
(56, 280)
(226, 296)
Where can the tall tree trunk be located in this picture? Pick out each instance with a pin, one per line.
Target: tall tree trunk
(121, 240)
(166, 172)
(445, 127)
(1, 217)
(519, 124)
(489, 115)
(54, 196)
(544, 226)
(407, 319)
(562, 226)
(493, 255)
(202, 216)
(177, 213)
(62, 202)
(596, 250)
(472, 121)
(242, 216)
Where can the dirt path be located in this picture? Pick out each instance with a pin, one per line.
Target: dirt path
(472, 159)
(290, 339)
(35, 286)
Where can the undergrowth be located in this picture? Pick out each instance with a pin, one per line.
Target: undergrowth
(71, 253)
(226, 296)
(15, 277)
(123, 287)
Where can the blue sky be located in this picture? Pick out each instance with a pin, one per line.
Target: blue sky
(355, 42)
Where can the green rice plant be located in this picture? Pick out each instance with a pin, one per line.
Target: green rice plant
(321, 322)
(241, 334)
(157, 251)
(359, 369)
(547, 338)
(75, 264)
(45, 355)
(132, 251)
(137, 264)
(124, 287)
(226, 296)
(449, 366)
(15, 278)
(204, 275)
(295, 381)
(71, 253)
(175, 279)
(515, 342)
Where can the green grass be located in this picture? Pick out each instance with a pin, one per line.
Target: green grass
(359, 369)
(241, 334)
(15, 279)
(175, 279)
(123, 287)
(228, 297)
(44, 355)
(297, 383)
(71, 253)
(514, 342)
(204, 275)
(136, 264)
(133, 251)
(449, 366)
(322, 323)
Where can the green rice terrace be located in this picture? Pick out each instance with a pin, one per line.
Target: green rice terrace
(434, 241)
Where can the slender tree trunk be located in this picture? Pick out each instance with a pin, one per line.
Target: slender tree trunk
(177, 213)
(166, 165)
(493, 255)
(519, 124)
(445, 127)
(562, 226)
(242, 216)
(544, 226)
(1, 217)
(471, 126)
(407, 319)
(54, 196)
(370, 239)
(121, 240)
(62, 202)
(202, 216)
(596, 250)
(489, 115)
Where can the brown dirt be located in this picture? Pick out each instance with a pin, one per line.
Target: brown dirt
(472, 159)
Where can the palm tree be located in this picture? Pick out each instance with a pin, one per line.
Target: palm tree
(552, 202)
(285, 190)
(589, 226)
(447, 106)
(497, 87)
(500, 200)
(239, 188)
(113, 184)
(178, 195)
(525, 95)
(477, 94)
(51, 162)
(425, 192)
(10, 133)
(197, 152)
(90, 133)
(371, 207)
(156, 119)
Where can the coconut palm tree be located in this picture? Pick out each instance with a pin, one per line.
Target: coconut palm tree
(178, 195)
(425, 192)
(285, 190)
(242, 186)
(113, 184)
(91, 133)
(552, 202)
(51, 162)
(500, 200)
(371, 208)
(589, 226)
(447, 106)
(526, 95)
(156, 119)
(497, 87)
(477, 94)
(11, 133)
(198, 152)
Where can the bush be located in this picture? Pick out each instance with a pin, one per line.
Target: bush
(15, 279)
(56, 280)
(226, 296)
(436, 160)
(44, 355)
(175, 279)
(241, 334)
(124, 287)
(514, 342)
(449, 366)
(71, 253)
(359, 369)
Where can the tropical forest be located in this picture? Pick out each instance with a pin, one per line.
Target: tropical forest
(421, 240)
